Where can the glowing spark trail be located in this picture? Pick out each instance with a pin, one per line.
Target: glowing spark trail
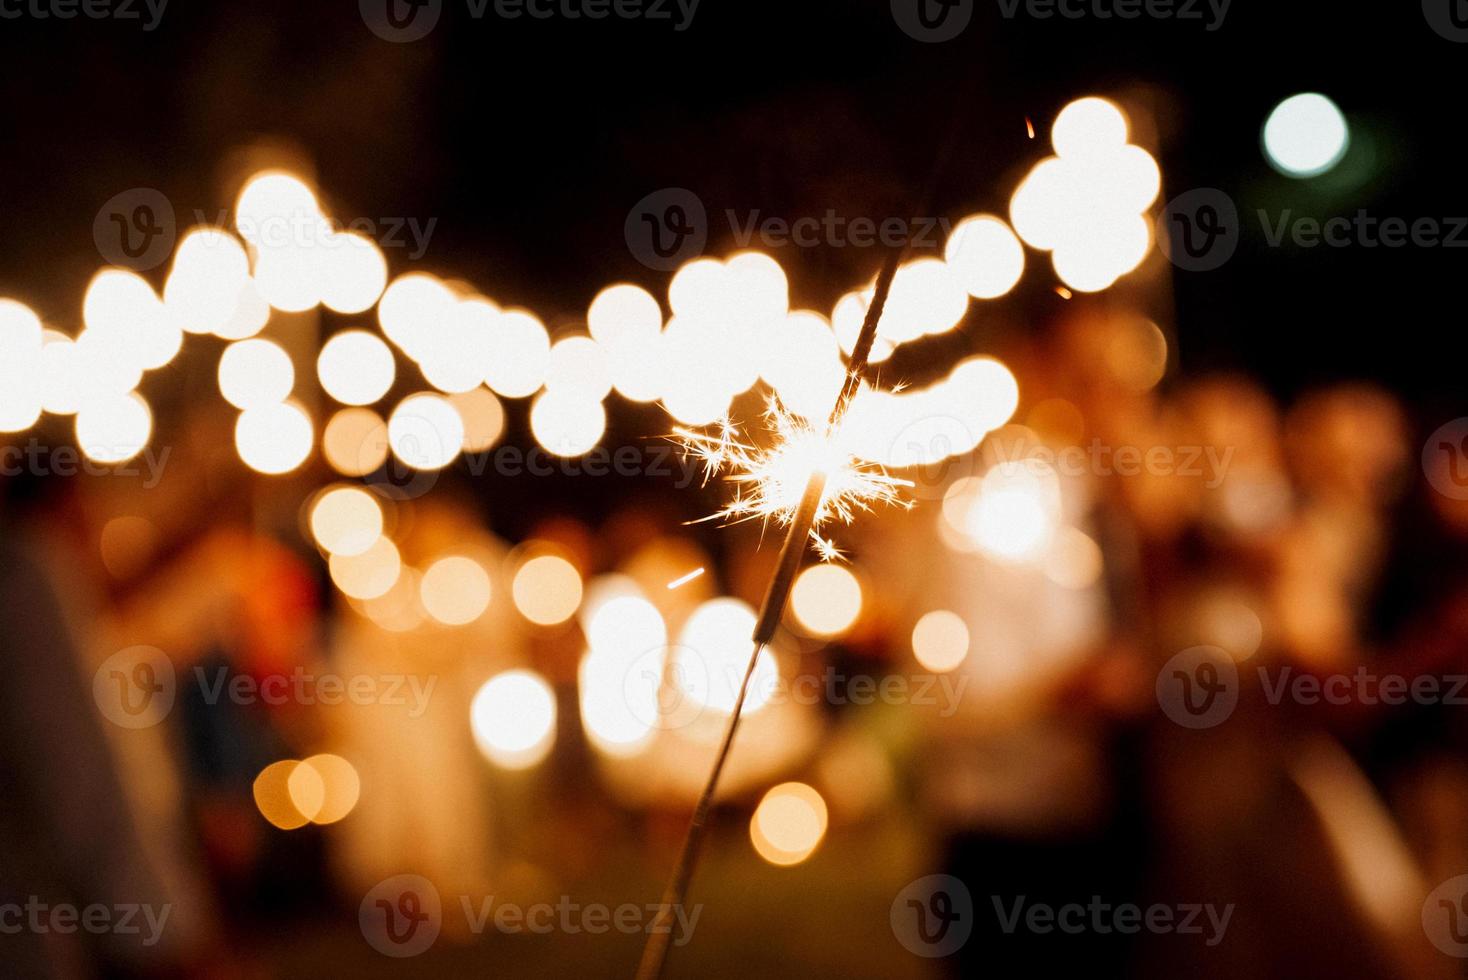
(683, 580)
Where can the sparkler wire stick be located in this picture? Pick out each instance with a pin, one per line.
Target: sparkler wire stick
(655, 952)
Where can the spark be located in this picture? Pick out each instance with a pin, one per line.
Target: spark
(681, 581)
(770, 480)
(1030, 127)
(1062, 292)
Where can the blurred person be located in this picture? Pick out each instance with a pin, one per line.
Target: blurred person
(79, 824)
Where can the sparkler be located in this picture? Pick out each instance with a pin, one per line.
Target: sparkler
(807, 477)
(771, 482)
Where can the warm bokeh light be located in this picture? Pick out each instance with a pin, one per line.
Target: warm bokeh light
(1306, 135)
(567, 423)
(519, 355)
(274, 439)
(483, 416)
(1075, 560)
(346, 521)
(1087, 128)
(713, 653)
(626, 321)
(411, 310)
(1087, 206)
(578, 366)
(271, 203)
(255, 373)
(801, 360)
(985, 256)
(272, 794)
(788, 824)
(455, 590)
(940, 640)
(369, 574)
(355, 441)
(458, 351)
(324, 788)
(119, 304)
(307, 790)
(356, 367)
(354, 273)
(513, 717)
(547, 590)
(826, 600)
(621, 674)
(114, 429)
(425, 432)
(21, 393)
(210, 269)
(251, 314)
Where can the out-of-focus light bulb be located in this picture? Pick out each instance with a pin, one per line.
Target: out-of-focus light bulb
(255, 373)
(513, 718)
(1306, 135)
(356, 367)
